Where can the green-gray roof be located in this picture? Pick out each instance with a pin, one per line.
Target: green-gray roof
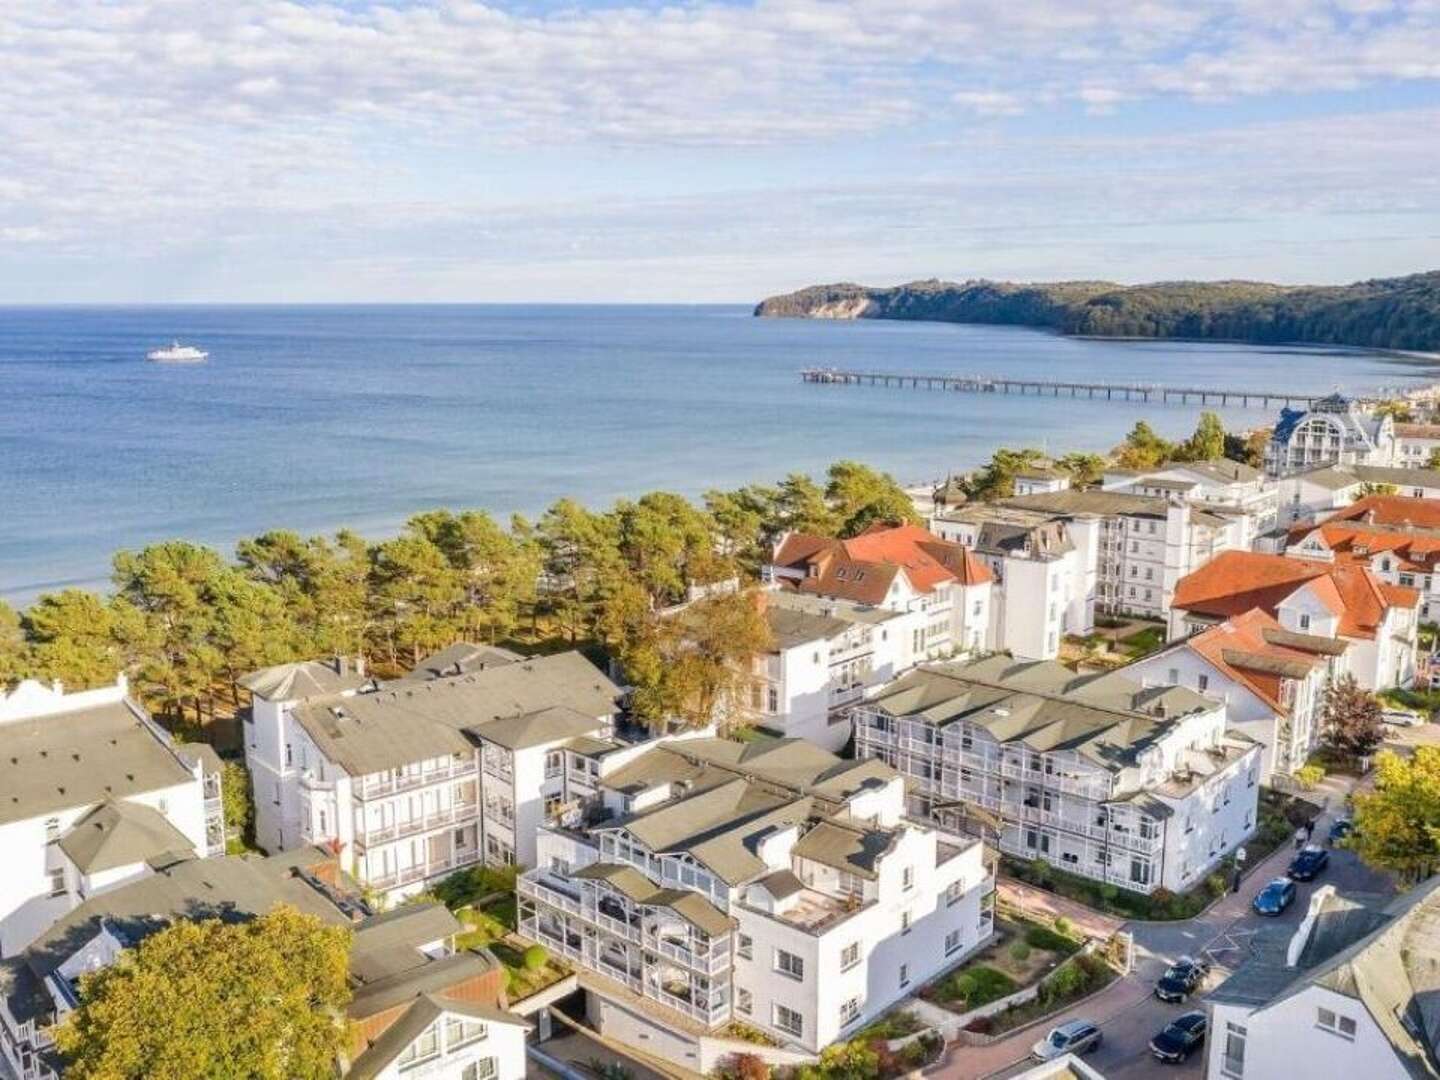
(83, 757)
(116, 834)
(460, 659)
(303, 679)
(407, 721)
(1106, 718)
(555, 724)
(843, 847)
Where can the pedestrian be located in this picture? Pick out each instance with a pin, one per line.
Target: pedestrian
(1309, 830)
(1299, 839)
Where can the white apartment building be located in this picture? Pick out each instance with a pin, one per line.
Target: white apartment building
(1414, 443)
(419, 1007)
(1271, 680)
(1140, 787)
(827, 655)
(768, 882)
(1333, 431)
(93, 794)
(1223, 488)
(421, 776)
(1378, 621)
(1349, 993)
(1044, 568)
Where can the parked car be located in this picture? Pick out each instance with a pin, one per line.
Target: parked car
(1275, 897)
(1074, 1037)
(1179, 1039)
(1182, 979)
(1308, 864)
(1341, 829)
(1401, 718)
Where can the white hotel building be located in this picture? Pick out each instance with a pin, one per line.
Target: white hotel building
(412, 780)
(93, 795)
(1138, 787)
(769, 882)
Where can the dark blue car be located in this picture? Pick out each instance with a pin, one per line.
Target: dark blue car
(1308, 864)
(1275, 897)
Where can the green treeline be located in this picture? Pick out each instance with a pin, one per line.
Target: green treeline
(1387, 313)
(183, 621)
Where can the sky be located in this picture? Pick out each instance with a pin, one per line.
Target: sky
(540, 150)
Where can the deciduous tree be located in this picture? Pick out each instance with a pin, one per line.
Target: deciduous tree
(212, 999)
(1350, 719)
(1397, 826)
(861, 497)
(996, 480)
(1143, 448)
(1207, 443)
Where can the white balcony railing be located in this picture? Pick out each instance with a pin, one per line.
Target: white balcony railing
(371, 788)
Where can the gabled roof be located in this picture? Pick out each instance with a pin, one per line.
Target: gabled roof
(862, 568)
(555, 724)
(1393, 510)
(460, 659)
(412, 1023)
(1235, 582)
(844, 847)
(688, 904)
(303, 679)
(82, 757)
(116, 834)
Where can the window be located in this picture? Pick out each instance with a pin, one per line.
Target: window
(554, 760)
(1304, 622)
(904, 976)
(484, 1069)
(789, 1021)
(849, 956)
(904, 922)
(52, 830)
(57, 882)
(907, 878)
(849, 884)
(1232, 1061)
(952, 942)
(289, 757)
(424, 1048)
(789, 964)
(1343, 1026)
(849, 1011)
(559, 867)
(743, 947)
(1202, 682)
(954, 893)
(461, 1032)
(772, 699)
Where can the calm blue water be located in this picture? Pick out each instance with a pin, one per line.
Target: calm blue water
(318, 417)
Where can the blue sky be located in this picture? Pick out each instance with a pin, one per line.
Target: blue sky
(270, 150)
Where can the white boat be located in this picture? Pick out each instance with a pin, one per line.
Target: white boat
(177, 354)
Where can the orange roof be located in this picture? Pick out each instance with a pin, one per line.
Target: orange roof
(863, 567)
(1235, 581)
(1357, 542)
(1226, 646)
(1397, 510)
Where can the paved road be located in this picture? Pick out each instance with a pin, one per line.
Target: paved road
(1128, 1012)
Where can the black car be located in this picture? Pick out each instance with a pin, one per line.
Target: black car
(1341, 829)
(1182, 979)
(1308, 864)
(1179, 1039)
(1275, 897)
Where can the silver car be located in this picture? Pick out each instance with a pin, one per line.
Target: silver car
(1072, 1037)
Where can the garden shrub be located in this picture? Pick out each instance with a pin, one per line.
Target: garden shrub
(1019, 951)
(535, 957)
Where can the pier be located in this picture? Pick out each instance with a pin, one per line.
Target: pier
(1110, 391)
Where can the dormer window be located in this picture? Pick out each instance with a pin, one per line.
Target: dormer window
(840, 573)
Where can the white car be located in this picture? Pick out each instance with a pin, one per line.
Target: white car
(1074, 1037)
(1401, 718)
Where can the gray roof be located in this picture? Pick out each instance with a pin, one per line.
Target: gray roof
(79, 758)
(1379, 474)
(555, 724)
(688, 904)
(1330, 477)
(1091, 501)
(385, 945)
(845, 847)
(422, 1012)
(781, 883)
(1106, 718)
(410, 721)
(1311, 643)
(303, 679)
(116, 834)
(1222, 469)
(791, 629)
(461, 659)
(202, 754)
(846, 611)
(1382, 957)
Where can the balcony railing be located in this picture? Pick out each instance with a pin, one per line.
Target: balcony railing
(374, 789)
(456, 814)
(412, 874)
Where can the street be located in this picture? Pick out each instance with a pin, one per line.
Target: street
(1129, 1013)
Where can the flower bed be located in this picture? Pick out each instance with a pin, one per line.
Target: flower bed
(1022, 953)
(1078, 977)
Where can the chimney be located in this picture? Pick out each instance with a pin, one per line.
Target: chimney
(342, 666)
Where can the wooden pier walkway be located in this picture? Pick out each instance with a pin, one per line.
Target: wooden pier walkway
(1111, 391)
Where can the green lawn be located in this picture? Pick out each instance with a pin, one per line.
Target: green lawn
(1143, 642)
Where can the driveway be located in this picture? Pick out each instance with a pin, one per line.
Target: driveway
(1127, 1010)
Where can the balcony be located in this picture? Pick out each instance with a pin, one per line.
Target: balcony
(375, 789)
(457, 814)
(411, 874)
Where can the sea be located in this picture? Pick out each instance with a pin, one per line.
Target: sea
(315, 418)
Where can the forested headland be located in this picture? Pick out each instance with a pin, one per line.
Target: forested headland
(1388, 313)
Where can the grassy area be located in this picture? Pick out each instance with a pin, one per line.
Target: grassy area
(893, 1025)
(1144, 642)
(522, 980)
(1280, 816)
(1072, 980)
(483, 928)
(1022, 953)
(738, 1029)
(464, 887)
(1424, 702)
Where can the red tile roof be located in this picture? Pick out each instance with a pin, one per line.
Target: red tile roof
(1235, 581)
(1357, 542)
(863, 567)
(1398, 510)
(1227, 646)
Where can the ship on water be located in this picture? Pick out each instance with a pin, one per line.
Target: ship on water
(177, 354)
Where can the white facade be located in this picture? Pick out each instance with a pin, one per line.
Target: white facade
(792, 945)
(457, 1046)
(1334, 430)
(1222, 488)
(40, 883)
(1162, 816)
